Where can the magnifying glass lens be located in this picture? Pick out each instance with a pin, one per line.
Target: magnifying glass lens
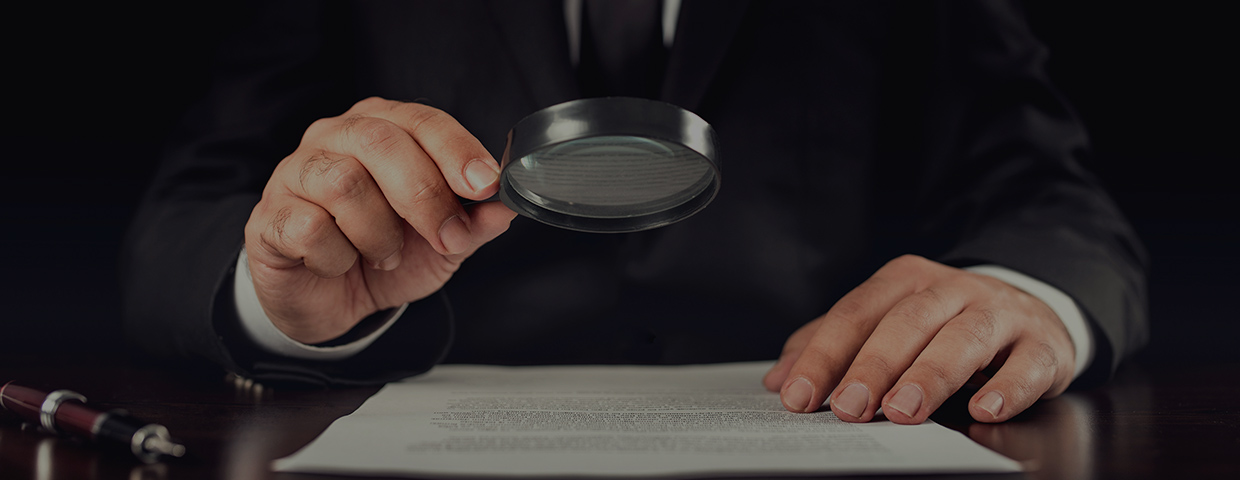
(610, 165)
(616, 176)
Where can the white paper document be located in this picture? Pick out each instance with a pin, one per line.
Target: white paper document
(701, 420)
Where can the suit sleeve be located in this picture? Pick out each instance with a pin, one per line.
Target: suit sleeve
(274, 77)
(1006, 173)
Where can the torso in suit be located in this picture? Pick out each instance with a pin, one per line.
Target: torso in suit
(851, 132)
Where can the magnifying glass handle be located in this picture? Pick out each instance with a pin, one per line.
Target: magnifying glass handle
(465, 202)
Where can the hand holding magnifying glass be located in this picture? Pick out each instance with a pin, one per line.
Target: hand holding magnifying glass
(365, 215)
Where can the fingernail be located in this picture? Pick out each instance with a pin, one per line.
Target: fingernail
(480, 174)
(906, 401)
(390, 263)
(991, 402)
(853, 400)
(454, 235)
(798, 395)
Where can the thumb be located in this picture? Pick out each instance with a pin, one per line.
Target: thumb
(488, 221)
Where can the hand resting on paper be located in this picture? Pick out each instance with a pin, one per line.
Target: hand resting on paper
(364, 216)
(912, 334)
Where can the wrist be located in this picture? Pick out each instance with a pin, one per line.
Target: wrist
(263, 331)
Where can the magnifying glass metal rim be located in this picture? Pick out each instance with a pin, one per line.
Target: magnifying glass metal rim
(609, 117)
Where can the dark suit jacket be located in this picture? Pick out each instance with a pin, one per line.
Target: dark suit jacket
(851, 132)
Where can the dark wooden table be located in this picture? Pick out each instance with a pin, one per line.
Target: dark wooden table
(1152, 421)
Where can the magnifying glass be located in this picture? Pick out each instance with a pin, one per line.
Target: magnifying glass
(610, 165)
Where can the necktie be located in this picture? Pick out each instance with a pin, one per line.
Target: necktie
(622, 49)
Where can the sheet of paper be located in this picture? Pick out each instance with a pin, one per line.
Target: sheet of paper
(703, 420)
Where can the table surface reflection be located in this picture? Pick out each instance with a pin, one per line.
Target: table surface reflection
(1151, 421)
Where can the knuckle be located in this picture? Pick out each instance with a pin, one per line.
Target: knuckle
(877, 365)
(426, 195)
(977, 281)
(272, 235)
(916, 315)
(906, 262)
(374, 136)
(302, 232)
(424, 117)
(980, 327)
(279, 222)
(850, 314)
(936, 370)
(914, 270)
(1044, 356)
(317, 129)
(932, 296)
(848, 308)
(317, 164)
(1025, 386)
(345, 182)
(370, 104)
(462, 147)
(894, 272)
(815, 359)
(1042, 379)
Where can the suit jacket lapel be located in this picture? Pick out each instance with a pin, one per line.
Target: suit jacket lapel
(538, 41)
(704, 32)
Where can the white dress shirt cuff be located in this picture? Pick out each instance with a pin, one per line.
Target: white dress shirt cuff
(1063, 306)
(258, 326)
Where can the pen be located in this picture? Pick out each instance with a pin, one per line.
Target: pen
(65, 411)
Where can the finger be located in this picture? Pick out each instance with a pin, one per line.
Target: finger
(774, 378)
(963, 347)
(285, 231)
(1033, 370)
(897, 340)
(489, 220)
(468, 167)
(410, 181)
(343, 187)
(824, 358)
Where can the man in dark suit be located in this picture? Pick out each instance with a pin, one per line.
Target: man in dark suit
(849, 131)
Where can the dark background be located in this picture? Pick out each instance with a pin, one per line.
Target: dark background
(92, 91)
